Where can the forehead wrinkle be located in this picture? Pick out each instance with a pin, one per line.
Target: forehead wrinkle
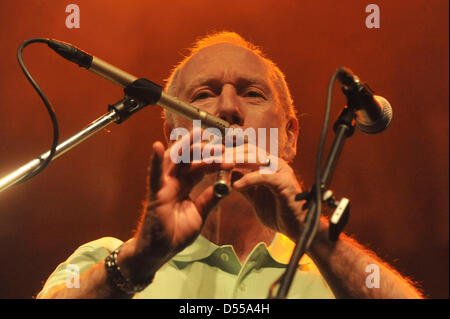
(258, 65)
(239, 82)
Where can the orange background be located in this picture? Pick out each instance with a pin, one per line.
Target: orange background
(397, 181)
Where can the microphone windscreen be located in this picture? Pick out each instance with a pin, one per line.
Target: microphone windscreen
(383, 120)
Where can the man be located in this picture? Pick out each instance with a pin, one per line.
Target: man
(191, 244)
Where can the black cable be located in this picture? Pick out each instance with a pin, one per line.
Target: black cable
(318, 179)
(50, 110)
(312, 219)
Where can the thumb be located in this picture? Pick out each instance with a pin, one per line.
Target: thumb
(156, 168)
(206, 202)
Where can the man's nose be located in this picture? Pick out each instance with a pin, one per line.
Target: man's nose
(229, 108)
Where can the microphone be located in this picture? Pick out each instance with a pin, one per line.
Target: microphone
(373, 112)
(141, 89)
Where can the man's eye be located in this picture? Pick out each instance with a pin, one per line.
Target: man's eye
(253, 94)
(202, 95)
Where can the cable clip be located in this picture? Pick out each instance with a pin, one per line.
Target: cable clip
(340, 216)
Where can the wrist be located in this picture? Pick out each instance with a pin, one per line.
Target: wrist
(322, 246)
(122, 273)
(137, 267)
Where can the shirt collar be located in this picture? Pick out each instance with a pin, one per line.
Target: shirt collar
(279, 250)
(199, 249)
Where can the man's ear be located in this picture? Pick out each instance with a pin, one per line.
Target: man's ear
(291, 131)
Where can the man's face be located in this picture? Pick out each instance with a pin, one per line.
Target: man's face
(230, 82)
(234, 84)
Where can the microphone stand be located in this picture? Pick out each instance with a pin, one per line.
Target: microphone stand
(118, 112)
(344, 127)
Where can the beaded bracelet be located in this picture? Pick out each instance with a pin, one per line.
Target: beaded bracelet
(116, 276)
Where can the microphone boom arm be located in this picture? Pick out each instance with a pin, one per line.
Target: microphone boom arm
(97, 125)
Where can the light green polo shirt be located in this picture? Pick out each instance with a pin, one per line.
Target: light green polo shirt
(205, 270)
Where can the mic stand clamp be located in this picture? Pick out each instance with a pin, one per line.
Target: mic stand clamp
(340, 215)
(125, 108)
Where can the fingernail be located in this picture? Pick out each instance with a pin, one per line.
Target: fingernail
(237, 184)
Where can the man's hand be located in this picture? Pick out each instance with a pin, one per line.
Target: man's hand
(273, 197)
(172, 219)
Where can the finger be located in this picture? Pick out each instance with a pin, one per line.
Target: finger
(218, 162)
(205, 168)
(215, 163)
(246, 153)
(179, 153)
(155, 176)
(251, 179)
(206, 202)
(200, 153)
(213, 157)
(283, 178)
